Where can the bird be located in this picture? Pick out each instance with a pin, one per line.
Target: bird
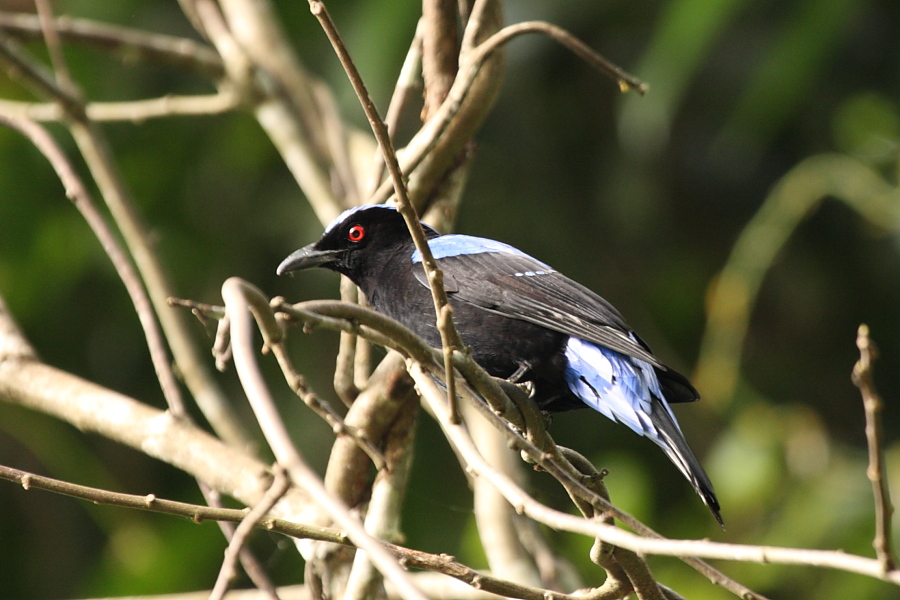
(521, 319)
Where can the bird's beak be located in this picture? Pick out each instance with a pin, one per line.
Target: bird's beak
(307, 258)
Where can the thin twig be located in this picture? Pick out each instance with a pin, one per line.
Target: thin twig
(272, 334)
(435, 279)
(99, 412)
(136, 111)
(131, 43)
(81, 199)
(364, 321)
(416, 559)
(521, 501)
(625, 81)
(251, 565)
(876, 472)
(344, 317)
(103, 167)
(323, 409)
(497, 521)
(472, 62)
(279, 487)
(54, 48)
(345, 363)
(449, 337)
(19, 65)
(440, 170)
(406, 82)
(152, 503)
(445, 322)
(362, 361)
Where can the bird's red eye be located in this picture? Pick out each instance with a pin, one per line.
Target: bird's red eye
(356, 233)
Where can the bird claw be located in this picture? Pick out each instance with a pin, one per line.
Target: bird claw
(520, 373)
(517, 379)
(527, 387)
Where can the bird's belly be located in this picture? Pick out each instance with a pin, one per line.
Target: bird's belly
(503, 345)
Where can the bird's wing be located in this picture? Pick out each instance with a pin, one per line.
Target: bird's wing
(508, 282)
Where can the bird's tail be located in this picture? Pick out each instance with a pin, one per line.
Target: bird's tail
(672, 441)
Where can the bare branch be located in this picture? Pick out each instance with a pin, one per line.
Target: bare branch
(390, 157)
(132, 44)
(136, 111)
(877, 473)
(386, 503)
(625, 81)
(91, 408)
(251, 565)
(406, 81)
(450, 340)
(428, 182)
(100, 161)
(151, 503)
(525, 504)
(78, 194)
(279, 488)
(389, 392)
(54, 48)
(345, 363)
(197, 513)
(497, 522)
(471, 64)
(236, 294)
(322, 408)
(439, 51)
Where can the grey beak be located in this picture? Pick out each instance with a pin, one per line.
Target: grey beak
(307, 258)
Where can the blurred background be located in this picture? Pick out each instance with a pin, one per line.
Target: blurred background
(641, 199)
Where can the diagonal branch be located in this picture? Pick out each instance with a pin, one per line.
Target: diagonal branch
(279, 488)
(471, 64)
(103, 167)
(78, 194)
(449, 337)
(240, 298)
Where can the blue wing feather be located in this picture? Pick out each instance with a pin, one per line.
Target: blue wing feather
(457, 245)
(619, 386)
(627, 390)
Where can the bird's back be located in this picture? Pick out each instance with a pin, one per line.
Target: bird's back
(501, 344)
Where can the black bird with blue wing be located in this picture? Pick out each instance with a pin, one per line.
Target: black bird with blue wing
(520, 318)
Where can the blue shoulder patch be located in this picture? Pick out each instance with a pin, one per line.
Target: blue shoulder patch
(455, 245)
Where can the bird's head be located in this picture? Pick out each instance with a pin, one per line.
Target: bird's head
(354, 242)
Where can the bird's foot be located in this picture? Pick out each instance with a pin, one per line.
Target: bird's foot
(520, 373)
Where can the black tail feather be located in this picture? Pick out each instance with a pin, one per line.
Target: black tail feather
(675, 386)
(678, 451)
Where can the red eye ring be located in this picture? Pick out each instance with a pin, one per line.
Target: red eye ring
(356, 233)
